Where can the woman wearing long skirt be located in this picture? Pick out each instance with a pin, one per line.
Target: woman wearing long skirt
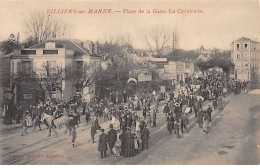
(129, 144)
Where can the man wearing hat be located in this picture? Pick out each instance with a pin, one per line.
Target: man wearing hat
(112, 137)
(209, 111)
(102, 145)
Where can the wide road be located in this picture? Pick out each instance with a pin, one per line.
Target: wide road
(234, 138)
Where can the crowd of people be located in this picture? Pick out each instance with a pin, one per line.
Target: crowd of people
(128, 130)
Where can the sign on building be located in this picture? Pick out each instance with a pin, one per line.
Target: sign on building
(144, 77)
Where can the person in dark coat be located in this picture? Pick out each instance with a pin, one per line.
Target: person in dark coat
(209, 111)
(200, 118)
(200, 103)
(171, 96)
(184, 122)
(93, 132)
(73, 135)
(145, 135)
(170, 123)
(129, 144)
(145, 111)
(129, 120)
(215, 102)
(87, 112)
(196, 108)
(112, 137)
(122, 138)
(154, 118)
(166, 109)
(102, 145)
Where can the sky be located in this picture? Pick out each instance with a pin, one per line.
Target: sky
(218, 26)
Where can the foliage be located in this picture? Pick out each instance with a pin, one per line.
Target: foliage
(8, 46)
(215, 62)
(114, 77)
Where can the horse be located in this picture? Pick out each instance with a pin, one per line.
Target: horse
(53, 122)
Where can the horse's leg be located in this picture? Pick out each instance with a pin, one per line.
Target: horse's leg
(53, 127)
(55, 132)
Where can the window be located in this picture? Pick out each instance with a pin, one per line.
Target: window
(237, 46)
(26, 68)
(28, 52)
(49, 52)
(238, 56)
(245, 46)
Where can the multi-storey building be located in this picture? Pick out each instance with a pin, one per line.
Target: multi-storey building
(67, 55)
(245, 55)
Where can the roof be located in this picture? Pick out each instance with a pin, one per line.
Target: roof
(74, 45)
(244, 39)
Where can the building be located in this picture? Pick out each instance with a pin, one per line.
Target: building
(45, 58)
(178, 70)
(245, 56)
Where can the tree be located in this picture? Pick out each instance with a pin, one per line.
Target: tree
(41, 27)
(49, 78)
(8, 46)
(115, 76)
(225, 64)
(83, 74)
(157, 39)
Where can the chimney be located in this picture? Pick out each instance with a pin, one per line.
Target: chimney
(96, 48)
(91, 48)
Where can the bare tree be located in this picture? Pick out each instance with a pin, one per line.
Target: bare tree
(83, 74)
(121, 39)
(41, 27)
(49, 77)
(157, 38)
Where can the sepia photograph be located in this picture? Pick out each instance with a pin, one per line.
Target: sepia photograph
(86, 82)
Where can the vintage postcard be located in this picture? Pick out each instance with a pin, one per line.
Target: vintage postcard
(129, 82)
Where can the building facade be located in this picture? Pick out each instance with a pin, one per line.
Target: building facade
(245, 56)
(61, 56)
(178, 70)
